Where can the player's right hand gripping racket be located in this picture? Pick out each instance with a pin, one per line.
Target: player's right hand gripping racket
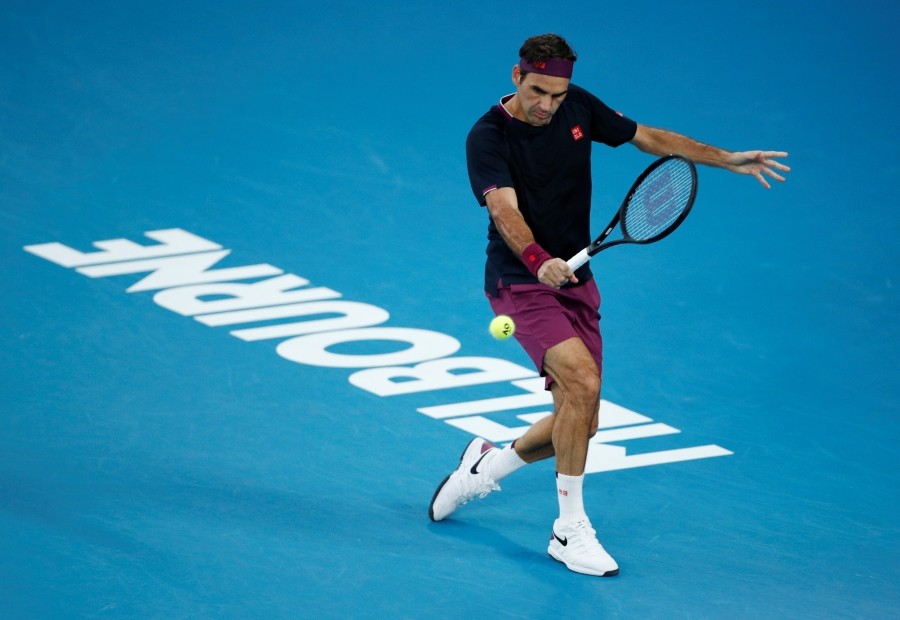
(658, 202)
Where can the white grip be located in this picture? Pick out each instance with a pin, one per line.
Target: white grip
(578, 260)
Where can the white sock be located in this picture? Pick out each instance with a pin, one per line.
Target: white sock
(571, 500)
(505, 462)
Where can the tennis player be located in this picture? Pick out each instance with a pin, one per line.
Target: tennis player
(529, 162)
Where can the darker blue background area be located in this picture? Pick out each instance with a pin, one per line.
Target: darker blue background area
(154, 467)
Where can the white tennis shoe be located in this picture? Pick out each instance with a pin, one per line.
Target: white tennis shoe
(468, 481)
(576, 545)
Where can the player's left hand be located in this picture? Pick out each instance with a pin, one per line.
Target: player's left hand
(757, 164)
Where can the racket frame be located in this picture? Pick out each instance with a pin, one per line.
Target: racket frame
(597, 244)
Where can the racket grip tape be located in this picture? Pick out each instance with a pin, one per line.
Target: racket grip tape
(579, 259)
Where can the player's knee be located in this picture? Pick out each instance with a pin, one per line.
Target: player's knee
(587, 384)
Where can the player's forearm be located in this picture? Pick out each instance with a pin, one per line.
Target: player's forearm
(514, 230)
(509, 220)
(661, 142)
(504, 209)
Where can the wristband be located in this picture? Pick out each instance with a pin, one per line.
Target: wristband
(534, 256)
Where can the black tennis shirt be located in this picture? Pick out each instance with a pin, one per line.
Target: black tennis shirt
(550, 169)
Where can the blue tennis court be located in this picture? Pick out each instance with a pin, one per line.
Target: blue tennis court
(245, 335)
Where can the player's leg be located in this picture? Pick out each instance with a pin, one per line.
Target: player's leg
(537, 442)
(576, 392)
(576, 386)
(545, 319)
(540, 323)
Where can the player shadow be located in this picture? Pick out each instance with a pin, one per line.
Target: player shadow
(496, 538)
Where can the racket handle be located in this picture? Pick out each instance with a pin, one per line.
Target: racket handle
(579, 259)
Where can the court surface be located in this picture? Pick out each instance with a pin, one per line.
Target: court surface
(167, 452)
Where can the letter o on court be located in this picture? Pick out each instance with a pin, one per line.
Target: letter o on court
(423, 345)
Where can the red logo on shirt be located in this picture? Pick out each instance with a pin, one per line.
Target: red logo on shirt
(577, 133)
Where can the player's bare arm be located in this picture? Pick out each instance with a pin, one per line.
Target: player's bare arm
(758, 164)
(504, 209)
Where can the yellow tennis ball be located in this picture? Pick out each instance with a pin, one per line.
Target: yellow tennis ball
(502, 327)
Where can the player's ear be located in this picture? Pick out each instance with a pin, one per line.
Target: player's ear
(516, 74)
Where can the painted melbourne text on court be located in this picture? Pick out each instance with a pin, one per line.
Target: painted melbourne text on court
(180, 275)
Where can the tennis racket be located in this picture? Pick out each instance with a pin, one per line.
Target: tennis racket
(657, 203)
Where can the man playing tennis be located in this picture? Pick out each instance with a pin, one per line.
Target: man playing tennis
(529, 161)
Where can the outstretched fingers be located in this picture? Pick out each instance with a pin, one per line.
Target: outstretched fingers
(767, 159)
(766, 164)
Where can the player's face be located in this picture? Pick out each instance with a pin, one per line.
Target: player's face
(539, 96)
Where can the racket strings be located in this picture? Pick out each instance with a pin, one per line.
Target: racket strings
(658, 202)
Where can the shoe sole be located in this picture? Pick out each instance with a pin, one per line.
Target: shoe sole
(609, 573)
(434, 497)
(444, 481)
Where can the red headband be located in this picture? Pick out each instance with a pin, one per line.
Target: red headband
(557, 67)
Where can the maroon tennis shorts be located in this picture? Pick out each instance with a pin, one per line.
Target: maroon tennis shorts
(545, 317)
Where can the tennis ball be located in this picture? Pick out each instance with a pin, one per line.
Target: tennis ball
(502, 327)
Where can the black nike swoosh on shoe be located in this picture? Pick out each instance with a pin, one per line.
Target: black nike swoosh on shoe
(562, 541)
(474, 469)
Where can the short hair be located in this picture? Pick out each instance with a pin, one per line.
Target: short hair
(545, 47)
